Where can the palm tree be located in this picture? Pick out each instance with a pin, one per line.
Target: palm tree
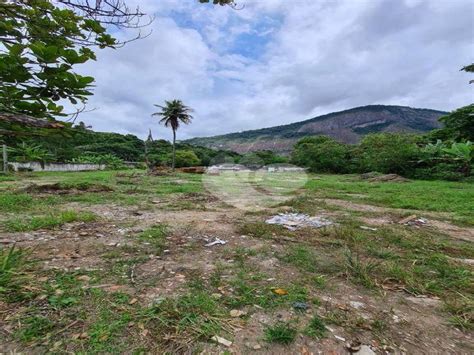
(172, 114)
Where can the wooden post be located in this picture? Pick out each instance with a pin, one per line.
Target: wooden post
(5, 159)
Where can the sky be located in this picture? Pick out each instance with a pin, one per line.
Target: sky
(275, 62)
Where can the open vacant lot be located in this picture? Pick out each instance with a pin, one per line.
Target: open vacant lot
(120, 262)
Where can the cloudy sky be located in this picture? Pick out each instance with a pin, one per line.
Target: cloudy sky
(278, 61)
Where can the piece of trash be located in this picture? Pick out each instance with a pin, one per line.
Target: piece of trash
(300, 306)
(235, 313)
(280, 291)
(353, 346)
(339, 338)
(413, 220)
(221, 341)
(368, 228)
(293, 221)
(217, 241)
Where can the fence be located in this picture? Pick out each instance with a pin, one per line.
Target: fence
(35, 166)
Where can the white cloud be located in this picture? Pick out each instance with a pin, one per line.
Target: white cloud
(278, 61)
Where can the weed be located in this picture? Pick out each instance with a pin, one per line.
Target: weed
(186, 319)
(359, 270)
(302, 257)
(282, 333)
(316, 328)
(13, 263)
(34, 327)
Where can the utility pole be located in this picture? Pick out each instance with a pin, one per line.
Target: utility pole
(5, 159)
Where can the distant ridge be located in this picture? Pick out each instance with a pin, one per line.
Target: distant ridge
(347, 126)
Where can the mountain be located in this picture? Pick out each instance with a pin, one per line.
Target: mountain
(345, 126)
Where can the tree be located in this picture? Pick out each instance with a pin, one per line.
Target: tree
(469, 69)
(322, 154)
(41, 42)
(458, 125)
(172, 114)
(388, 153)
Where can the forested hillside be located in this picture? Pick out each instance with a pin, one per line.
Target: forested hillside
(347, 126)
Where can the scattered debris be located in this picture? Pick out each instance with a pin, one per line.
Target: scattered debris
(236, 313)
(354, 346)
(300, 306)
(413, 220)
(376, 177)
(280, 291)
(339, 338)
(368, 228)
(221, 341)
(216, 241)
(293, 221)
(193, 170)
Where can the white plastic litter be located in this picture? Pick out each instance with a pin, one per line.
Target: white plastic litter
(217, 241)
(293, 221)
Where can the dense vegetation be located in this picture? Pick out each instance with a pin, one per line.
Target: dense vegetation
(442, 154)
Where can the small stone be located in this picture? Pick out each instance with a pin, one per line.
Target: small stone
(356, 305)
(365, 350)
(221, 341)
(84, 278)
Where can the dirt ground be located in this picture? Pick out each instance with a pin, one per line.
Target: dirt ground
(384, 320)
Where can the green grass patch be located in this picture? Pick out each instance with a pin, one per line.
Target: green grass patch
(49, 221)
(316, 328)
(155, 236)
(434, 196)
(282, 333)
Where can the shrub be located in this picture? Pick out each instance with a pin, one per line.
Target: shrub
(111, 161)
(388, 153)
(322, 154)
(185, 158)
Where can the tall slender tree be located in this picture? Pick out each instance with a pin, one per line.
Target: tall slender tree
(173, 113)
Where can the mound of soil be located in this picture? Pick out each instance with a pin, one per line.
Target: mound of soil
(59, 188)
(375, 177)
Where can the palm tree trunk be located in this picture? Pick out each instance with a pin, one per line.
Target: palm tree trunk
(174, 150)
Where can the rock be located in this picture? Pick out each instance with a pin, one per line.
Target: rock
(425, 301)
(84, 278)
(356, 305)
(365, 350)
(221, 341)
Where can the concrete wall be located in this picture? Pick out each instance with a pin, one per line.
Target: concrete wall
(34, 166)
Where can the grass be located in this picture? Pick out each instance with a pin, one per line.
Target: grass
(49, 221)
(421, 260)
(302, 257)
(316, 328)
(435, 196)
(13, 266)
(282, 333)
(155, 236)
